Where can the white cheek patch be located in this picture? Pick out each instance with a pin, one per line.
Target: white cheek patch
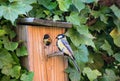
(60, 36)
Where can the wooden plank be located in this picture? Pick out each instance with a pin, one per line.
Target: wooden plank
(44, 68)
(22, 36)
(45, 23)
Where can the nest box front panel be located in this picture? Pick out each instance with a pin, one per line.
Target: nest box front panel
(44, 68)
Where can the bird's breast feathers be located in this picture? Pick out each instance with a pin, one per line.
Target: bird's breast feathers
(64, 47)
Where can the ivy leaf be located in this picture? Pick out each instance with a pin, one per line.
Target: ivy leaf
(12, 71)
(78, 4)
(13, 80)
(83, 30)
(9, 32)
(87, 41)
(117, 23)
(1, 42)
(103, 18)
(91, 74)
(47, 12)
(2, 11)
(74, 36)
(8, 44)
(106, 46)
(9, 13)
(12, 34)
(12, 11)
(11, 45)
(73, 74)
(13, 0)
(56, 17)
(102, 13)
(116, 11)
(38, 14)
(51, 6)
(27, 77)
(98, 26)
(44, 2)
(87, 1)
(3, 1)
(58, 12)
(83, 13)
(117, 57)
(37, 11)
(22, 51)
(81, 54)
(96, 14)
(78, 39)
(74, 18)
(27, 1)
(2, 32)
(116, 36)
(110, 75)
(5, 58)
(21, 7)
(64, 4)
(5, 78)
(16, 59)
(95, 61)
(48, 4)
(24, 1)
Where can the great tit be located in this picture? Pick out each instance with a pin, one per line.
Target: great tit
(47, 40)
(64, 47)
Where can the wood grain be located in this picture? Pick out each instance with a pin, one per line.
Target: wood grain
(44, 68)
(42, 22)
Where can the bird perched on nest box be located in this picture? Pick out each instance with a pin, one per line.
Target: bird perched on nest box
(64, 47)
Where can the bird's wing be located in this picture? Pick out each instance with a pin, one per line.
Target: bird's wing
(66, 44)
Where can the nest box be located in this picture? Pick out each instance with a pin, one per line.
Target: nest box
(32, 31)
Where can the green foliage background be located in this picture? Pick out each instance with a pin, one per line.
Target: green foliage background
(94, 37)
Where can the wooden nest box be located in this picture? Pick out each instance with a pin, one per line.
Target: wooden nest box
(32, 32)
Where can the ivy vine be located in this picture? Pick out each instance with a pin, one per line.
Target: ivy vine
(94, 36)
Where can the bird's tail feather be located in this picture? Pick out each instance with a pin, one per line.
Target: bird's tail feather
(76, 65)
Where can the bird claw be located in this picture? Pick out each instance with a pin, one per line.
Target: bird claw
(55, 54)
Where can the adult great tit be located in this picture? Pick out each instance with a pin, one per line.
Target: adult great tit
(64, 47)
